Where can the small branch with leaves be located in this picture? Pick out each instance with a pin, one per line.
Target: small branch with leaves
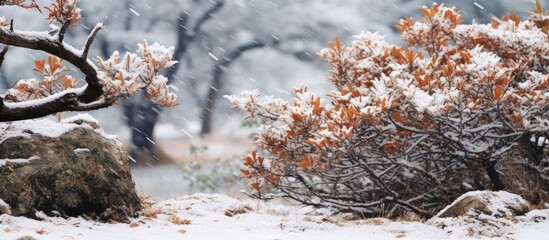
(57, 91)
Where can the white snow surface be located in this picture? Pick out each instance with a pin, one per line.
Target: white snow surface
(47, 127)
(2, 203)
(17, 160)
(81, 116)
(203, 216)
(44, 126)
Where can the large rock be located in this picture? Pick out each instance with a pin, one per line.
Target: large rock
(70, 168)
(497, 204)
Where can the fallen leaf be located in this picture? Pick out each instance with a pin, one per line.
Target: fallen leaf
(400, 236)
(186, 222)
(177, 220)
(134, 225)
(41, 231)
(182, 231)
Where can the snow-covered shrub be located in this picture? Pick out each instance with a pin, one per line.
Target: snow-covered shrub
(115, 78)
(408, 128)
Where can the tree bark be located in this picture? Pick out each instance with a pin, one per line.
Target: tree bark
(493, 174)
(217, 83)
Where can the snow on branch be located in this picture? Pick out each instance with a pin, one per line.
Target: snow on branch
(20, 3)
(127, 75)
(57, 92)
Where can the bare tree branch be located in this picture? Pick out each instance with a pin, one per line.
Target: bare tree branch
(6, 47)
(63, 30)
(216, 85)
(207, 15)
(3, 54)
(90, 39)
(185, 38)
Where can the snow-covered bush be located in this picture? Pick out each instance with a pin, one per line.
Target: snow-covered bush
(115, 78)
(408, 128)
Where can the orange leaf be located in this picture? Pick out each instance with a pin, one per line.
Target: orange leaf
(306, 162)
(383, 104)
(461, 85)
(247, 173)
(352, 111)
(247, 161)
(396, 117)
(498, 92)
(182, 231)
(254, 185)
(465, 55)
(121, 77)
(297, 117)
(337, 43)
(54, 63)
(391, 147)
(319, 144)
(134, 225)
(410, 55)
(128, 62)
(539, 9)
(317, 110)
(426, 11)
(40, 64)
(515, 18)
(41, 231)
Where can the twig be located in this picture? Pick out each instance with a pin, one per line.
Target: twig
(3, 54)
(63, 30)
(90, 38)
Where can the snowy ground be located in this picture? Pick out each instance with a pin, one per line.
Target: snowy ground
(171, 181)
(203, 216)
(202, 165)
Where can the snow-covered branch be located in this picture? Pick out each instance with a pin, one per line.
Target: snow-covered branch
(56, 92)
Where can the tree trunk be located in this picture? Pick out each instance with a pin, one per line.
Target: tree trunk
(143, 121)
(493, 174)
(217, 83)
(141, 115)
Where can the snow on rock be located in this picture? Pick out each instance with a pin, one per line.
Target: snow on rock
(203, 216)
(3, 162)
(491, 214)
(49, 128)
(533, 225)
(4, 207)
(80, 117)
(497, 204)
(43, 127)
